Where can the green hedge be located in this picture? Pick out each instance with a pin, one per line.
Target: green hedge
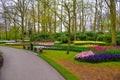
(72, 48)
(41, 37)
(2, 42)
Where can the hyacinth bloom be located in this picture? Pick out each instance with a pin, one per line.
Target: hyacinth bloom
(99, 48)
(100, 58)
(84, 54)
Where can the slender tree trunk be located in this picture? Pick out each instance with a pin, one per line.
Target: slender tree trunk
(38, 16)
(113, 21)
(33, 17)
(15, 28)
(55, 26)
(95, 17)
(61, 15)
(82, 22)
(75, 20)
(69, 33)
(22, 26)
(6, 27)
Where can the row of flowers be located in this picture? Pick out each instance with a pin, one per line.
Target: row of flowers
(103, 48)
(89, 56)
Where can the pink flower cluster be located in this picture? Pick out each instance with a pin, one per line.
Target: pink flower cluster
(99, 48)
(84, 54)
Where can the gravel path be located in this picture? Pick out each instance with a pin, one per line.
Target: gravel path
(26, 65)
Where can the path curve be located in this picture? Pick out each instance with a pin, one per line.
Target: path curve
(26, 65)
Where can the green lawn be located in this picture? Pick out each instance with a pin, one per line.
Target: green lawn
(61, 55)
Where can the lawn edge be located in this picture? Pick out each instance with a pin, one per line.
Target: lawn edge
(64, 72)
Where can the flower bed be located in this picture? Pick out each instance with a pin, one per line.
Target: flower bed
(90, 42)
(106, 49)
(97, 58)
(99, 48)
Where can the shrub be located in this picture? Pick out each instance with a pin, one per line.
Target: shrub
(99, 33)
(118, 39)
(91, 36)
(41, 37)
(63, 38)
(2, 42)
(104, 37)
(81, 36)
(33, 37)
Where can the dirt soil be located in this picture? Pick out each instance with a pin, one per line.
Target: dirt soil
(91, 72)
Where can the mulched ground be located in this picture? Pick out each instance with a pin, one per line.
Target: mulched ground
(91, 72)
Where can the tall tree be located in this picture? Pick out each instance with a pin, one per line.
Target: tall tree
(112, 7)
(95, 15)
(75, 19)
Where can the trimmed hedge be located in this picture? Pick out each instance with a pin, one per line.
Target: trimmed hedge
(72, 48)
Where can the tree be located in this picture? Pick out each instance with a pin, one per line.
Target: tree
(75, 19)
(95, 15)
(112, 7)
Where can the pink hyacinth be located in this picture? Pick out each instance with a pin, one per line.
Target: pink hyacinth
(84, 54)
(99, 48)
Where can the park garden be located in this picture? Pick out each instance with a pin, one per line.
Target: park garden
(92, 54)
(79, 38)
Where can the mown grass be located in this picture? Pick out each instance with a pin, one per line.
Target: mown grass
(1, 59)
(2, 45)
(18, 47)
(61, 55)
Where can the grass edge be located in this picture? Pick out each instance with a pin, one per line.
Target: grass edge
(64, 72)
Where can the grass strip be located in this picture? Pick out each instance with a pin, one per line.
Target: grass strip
(64, 72)
(1, 59)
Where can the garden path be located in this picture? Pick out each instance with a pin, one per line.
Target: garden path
(26, 65)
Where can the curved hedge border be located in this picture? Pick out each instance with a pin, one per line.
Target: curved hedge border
(1, 59)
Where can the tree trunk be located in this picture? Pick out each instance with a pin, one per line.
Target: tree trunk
(113, 21)
(75, 22)
(95, 17)
(69, 33)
